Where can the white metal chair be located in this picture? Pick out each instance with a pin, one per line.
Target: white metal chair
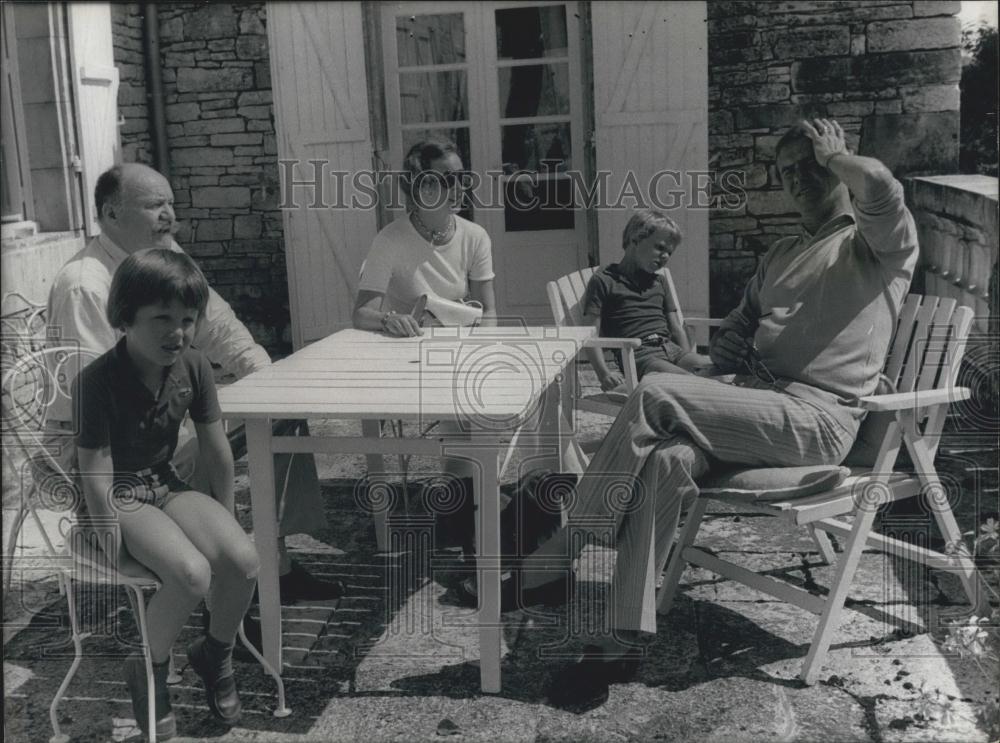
(30, 384)
(922, 367)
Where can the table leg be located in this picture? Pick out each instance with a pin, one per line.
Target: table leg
(486, 491)
(376, 467)
(265, 529)
(552, 430)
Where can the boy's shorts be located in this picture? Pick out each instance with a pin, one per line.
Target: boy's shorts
(62, 491)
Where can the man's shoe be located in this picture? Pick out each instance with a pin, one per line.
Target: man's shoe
(135, 680)
(553, 593)
(251, 628)
(583, 685)
(298, 585)
(211, 660)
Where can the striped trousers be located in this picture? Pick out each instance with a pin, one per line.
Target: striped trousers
(668, 434)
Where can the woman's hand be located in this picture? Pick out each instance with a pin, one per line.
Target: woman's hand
(401, 326)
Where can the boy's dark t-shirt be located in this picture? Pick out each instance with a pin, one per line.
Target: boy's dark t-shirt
(111, 406)
(629, 307)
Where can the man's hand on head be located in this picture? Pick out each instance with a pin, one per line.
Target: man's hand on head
(728, 350)
(827, 138)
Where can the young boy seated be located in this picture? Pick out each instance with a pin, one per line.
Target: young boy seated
(631, 300)
(128, 407)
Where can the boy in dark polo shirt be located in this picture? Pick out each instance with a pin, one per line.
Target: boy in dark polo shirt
(630, 299)
(128, 407)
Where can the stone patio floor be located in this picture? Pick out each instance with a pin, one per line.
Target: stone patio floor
(396, 659)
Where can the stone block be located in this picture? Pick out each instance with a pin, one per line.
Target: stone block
(132, 126)
(236, 197)
(813, 41)
(764, 146)
(732, 224)
(254, 98)
(931, 98)
(222, 56)
(194, 157)
(776, 115)
(199, 140)
(254, 112)
(247, 226)
(919, 33)
(239, 180)
(248, 151)
(270, 145)
(837, 12)
(182, 112)
(171, 29)
(858, 44)
(251, 47)
(760, 93)
(922, 8)
(762, 203)
(221, 45)
(219, 104)
(131, 94)
(262, 74)
(888, 107)
(250, 22)
(214, 126)
(839, 109)
(877, 71)
(720, 122)
(211, 22)
(913, 143)
(214, 229)
(204, 180)
(227, 78)
(178, 59)
(244, 138)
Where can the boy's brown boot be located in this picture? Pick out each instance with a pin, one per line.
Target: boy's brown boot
(135, 680)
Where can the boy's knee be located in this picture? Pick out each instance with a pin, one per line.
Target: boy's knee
(193, 574)
(241, 560)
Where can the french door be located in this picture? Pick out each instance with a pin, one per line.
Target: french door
(503, 81)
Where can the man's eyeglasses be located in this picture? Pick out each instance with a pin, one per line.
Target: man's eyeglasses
(448, 180)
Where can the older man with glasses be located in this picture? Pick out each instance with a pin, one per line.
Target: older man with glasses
(809, 337)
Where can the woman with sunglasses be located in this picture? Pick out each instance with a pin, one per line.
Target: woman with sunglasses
(433, 251)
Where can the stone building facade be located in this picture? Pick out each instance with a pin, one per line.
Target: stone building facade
(888, 70)
(220, 135)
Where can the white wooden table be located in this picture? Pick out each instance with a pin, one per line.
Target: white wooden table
(492, 381)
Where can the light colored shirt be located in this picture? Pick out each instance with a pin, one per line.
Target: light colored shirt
(402, 265)
(77, 313)
(822, 308)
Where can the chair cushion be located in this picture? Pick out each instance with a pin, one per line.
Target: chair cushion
(774, 483)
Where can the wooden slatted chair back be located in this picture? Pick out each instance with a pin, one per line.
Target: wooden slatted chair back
(566, 296)
(927, 349)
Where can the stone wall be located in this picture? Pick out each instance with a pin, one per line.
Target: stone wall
(223, 155)
(887, 70)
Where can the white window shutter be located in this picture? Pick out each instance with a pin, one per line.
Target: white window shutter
(95, 84)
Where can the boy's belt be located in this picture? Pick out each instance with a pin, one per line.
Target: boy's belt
(654, 339)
